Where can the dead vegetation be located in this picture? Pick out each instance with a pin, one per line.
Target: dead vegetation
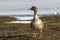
(51, 29)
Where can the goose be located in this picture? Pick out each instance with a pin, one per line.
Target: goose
(36, 23)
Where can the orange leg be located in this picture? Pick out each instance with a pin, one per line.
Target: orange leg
(34, 34)
(41, 33)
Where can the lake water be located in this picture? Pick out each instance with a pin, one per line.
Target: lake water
(27, 14)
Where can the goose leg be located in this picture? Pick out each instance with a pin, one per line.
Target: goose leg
(34, 34)
(41, 33)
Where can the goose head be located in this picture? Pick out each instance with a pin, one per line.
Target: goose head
(33, 8)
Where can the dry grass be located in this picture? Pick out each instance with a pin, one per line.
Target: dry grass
(51, 29)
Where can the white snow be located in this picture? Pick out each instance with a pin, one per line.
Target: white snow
(19, 22)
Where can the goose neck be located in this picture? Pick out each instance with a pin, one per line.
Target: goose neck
(35, 15)
(35, 12)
